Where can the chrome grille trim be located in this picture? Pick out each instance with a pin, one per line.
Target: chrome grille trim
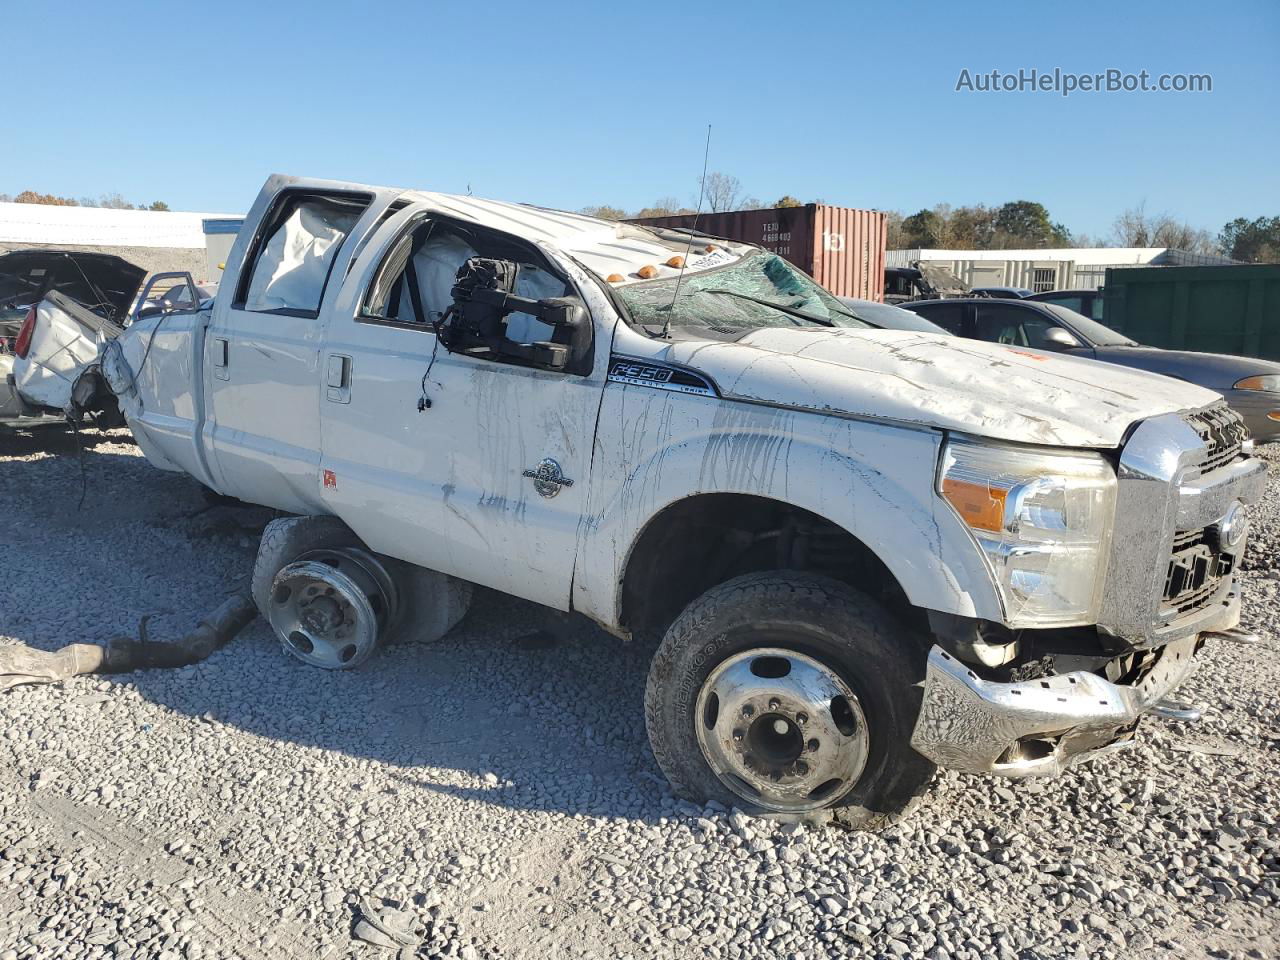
(1221, 431)
(1173, 485)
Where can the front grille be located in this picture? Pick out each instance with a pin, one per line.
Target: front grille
(1223, 432)
(1197, 569)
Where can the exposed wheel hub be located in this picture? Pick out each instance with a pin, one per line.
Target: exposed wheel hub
(781, 729)
(323, 614)
(329, 607)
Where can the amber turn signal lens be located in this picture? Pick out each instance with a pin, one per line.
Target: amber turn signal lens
(979, 505)
(676, 262)
(615, 278)
(647, 272)
(711, 248)
(1263, 381)
(1274, 415)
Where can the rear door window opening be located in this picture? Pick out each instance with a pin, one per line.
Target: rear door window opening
(294, 252)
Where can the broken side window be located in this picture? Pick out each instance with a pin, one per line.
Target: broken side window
(294, 252)
(415, 282)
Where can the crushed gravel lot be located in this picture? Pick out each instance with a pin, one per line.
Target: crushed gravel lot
(497, 787)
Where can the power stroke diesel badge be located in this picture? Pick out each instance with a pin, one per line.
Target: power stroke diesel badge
(548, 478)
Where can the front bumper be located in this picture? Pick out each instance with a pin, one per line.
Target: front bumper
(1038, 727)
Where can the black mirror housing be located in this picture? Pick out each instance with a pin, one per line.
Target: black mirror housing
(483, 297)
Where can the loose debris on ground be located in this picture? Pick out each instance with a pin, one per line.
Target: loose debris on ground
(490, 796)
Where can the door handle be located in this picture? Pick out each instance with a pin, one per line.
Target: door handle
(338, 378)
(221, 357)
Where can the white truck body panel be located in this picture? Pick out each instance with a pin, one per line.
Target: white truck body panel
(655, 448)
(165, 357)
(445, 487)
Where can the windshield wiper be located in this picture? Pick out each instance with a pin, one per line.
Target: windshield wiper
(792, 311)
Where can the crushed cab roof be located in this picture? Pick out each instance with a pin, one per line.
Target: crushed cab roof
(603, 246)
(606, 247)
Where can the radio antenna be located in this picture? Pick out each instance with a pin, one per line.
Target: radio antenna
(702, 188)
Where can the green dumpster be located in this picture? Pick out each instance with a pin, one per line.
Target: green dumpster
(1228, 309)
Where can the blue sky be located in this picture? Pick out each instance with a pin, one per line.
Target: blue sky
(568, 104)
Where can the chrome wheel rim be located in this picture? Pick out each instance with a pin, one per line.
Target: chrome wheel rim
(329, 607)
(781, 730)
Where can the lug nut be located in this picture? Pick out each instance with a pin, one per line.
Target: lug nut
(774, 703)
(802, 718)
(801, 767)
(748, 710)
(737, 735)
(811, 746)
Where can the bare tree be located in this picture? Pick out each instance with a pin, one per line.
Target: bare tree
(720, 191)
(895, 238)
(1138, 228)
(114, 201)
(664, 207)
(605, 212)
(1134, 228)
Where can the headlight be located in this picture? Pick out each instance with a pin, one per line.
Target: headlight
(1043, 520)
(1269, 382)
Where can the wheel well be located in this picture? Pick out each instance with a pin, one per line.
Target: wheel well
(704, 540)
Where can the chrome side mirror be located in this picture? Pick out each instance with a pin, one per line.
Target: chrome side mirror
(1060, 338)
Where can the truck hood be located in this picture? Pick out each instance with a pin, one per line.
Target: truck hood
(943, 382)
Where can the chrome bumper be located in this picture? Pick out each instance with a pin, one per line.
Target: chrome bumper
(1036, 727)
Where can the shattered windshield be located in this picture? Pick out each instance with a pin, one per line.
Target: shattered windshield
(760, 290)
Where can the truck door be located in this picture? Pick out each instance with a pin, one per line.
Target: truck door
(454, 461)
(262, 349)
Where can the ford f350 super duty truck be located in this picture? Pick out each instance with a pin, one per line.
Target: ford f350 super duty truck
(864, 552)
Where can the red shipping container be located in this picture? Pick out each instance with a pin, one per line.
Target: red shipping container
(840, 247)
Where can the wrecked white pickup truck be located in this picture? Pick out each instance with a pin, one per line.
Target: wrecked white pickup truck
(865, 551)
(57, 308)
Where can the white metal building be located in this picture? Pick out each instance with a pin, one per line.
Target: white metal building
(155, 240)
(1041, 270)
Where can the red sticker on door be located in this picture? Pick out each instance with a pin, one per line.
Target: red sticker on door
(330, 480)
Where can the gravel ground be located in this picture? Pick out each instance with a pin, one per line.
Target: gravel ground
(497, 787)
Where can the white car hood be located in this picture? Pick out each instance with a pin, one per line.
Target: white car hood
(990, 390)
